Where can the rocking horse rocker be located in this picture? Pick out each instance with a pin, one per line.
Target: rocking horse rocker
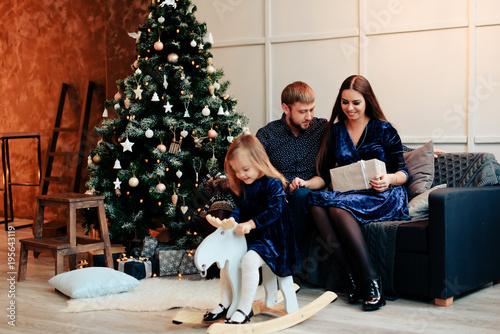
(226, 248)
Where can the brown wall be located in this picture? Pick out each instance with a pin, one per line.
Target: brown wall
(43, 44)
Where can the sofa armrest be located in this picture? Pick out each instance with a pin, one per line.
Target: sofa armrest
(464, 235)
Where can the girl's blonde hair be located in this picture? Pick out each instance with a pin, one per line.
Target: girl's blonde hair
(252, 149)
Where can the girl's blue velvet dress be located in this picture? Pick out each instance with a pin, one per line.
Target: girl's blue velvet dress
(273, 239)
(381, 142)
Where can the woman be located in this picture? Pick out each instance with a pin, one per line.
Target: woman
(360, 133)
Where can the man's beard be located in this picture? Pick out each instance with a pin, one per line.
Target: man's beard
(300, 127)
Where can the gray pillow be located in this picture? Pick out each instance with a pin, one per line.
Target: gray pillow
(420, 164)
(419, 205)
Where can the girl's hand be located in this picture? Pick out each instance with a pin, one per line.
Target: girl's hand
(244, 228)
(297, 183)
(381, 182)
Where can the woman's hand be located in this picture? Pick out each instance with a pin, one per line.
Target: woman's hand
(381, 182)
(244, 228)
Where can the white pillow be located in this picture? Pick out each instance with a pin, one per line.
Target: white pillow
(93, 282)
(419, 205)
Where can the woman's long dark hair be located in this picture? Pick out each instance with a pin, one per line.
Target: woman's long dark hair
(373, 110)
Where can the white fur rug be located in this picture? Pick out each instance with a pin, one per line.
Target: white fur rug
(156, 294)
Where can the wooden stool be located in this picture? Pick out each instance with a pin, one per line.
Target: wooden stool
(71, 244)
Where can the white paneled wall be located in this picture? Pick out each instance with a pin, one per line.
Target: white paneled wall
(432, 63)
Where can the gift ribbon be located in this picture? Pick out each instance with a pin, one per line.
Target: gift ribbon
(147, 265)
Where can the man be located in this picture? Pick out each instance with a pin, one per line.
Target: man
(292, 144)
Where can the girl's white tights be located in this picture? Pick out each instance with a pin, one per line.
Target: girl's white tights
(250, 264)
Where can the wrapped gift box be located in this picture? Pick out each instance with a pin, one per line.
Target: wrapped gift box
(356, 176)
(174, 261)
(139, 268)
(96, 258)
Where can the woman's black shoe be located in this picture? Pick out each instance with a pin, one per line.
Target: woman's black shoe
(247, 318)
(374, 296)
(354, 294)
(209, 316)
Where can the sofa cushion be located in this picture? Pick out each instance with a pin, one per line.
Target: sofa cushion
(420, 164)
(419, 205)
(412, 236)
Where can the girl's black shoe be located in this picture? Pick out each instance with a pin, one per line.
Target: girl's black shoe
(374, 296)
(354, 294)
(209, 316)
(247, 318)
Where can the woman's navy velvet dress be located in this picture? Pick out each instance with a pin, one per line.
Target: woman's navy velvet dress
(381, 142)
(273, 239)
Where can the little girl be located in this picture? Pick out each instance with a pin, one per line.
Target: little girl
(264, 218)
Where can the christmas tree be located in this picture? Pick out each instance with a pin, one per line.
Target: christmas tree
(174, 125)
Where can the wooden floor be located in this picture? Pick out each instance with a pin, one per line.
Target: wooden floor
(37, 308)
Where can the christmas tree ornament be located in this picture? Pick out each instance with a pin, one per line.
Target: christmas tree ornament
(133, 182)
(149, 133)
(238, 122)
(138, 92)
(90, 192)
(89, 160)
(174, 198)
(117, 183)
(117, 164)
(210, 69)
(105, 113)
(212, 134)
(162, 148)
(168, 107)
(211, 89)
(184, 133)
(184, 208)
(118, 192)
(173, 58)
(118, 96)
(155, 97)
(175, 146)
(198, 141)
(165, 83)
(158, 46)
(127, 145)
(96, 159)
(161, 187)
(217, 85)
(197, 167)
(193, 43)
(138, 72)
(230, 138)
(136, 63)
(169, 3)
(126, 102)
(161, 19)
(226, 113)
(117, 106)
(221, 111)
(186, 106)
(179, 174)
(208, 38)
(206, 111)
(210, 60)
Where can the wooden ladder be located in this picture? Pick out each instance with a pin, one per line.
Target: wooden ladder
(82, 131)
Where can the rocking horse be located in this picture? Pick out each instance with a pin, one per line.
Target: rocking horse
(226, 248)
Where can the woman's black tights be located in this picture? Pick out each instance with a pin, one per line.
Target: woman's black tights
(342, 234)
